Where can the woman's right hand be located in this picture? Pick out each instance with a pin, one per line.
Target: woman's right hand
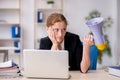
(51, 35)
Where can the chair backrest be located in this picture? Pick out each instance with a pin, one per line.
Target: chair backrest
(93, 57)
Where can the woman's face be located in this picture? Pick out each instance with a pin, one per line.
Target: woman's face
(59, 29)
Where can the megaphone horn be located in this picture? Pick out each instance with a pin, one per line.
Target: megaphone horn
(95, 26)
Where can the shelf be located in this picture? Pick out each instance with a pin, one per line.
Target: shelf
(5, 23)
(11, 54)
(43, 23)
(9, 48)
(9, 8)
(49, 9)
(42, 11)
(10, 23)
(10, 39)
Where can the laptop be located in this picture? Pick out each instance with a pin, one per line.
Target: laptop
(45, 63)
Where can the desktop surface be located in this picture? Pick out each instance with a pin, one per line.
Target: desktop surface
(76, 75)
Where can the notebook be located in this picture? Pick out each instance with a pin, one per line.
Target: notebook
(45, 63)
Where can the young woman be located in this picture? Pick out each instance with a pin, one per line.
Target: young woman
(59, 39)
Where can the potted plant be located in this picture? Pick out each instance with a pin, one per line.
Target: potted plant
(106, 24)
(50, 3)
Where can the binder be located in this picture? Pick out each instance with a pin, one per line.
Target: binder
(15, 31)
(17, 44)
(39, 16)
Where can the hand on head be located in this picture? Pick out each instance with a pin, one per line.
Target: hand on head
(51, 35)
(88, 40)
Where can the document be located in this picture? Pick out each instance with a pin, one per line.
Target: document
(6, 64)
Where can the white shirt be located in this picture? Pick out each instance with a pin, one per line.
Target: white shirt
(62, 45)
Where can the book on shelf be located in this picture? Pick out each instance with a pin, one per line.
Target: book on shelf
(114, 70)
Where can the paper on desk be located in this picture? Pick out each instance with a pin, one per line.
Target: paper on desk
(6, 64)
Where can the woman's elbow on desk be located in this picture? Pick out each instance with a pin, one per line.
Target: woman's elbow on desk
(84, 67)
(84, 71)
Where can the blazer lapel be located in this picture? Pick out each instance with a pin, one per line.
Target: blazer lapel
(66, 43)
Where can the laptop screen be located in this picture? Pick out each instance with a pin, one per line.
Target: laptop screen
(45, 63)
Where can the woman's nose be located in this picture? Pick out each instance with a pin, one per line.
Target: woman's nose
(60, 33)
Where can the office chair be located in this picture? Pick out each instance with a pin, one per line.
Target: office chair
(93, 57)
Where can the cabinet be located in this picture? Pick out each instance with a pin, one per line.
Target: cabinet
(10, 28)
(42, 10)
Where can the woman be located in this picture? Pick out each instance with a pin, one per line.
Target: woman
(59, 39)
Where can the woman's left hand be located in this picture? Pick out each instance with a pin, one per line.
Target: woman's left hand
(88, 40)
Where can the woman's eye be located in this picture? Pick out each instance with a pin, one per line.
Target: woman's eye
(56, 30)
(64, 29)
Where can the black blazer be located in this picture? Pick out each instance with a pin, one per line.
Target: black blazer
(72, 44)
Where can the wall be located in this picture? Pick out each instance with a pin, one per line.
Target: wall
(118, 32)
(75, 12)
(27, 22)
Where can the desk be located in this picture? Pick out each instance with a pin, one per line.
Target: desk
(76, 75)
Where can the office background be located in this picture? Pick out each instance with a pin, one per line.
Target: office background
(75, 11)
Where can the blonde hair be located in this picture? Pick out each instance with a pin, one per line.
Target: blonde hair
(55, 17)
